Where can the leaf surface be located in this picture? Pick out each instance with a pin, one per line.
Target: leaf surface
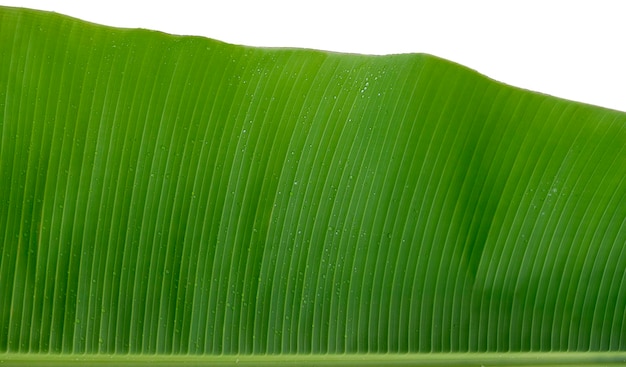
(178, 196)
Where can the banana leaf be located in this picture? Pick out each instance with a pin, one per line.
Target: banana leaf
(178, 200)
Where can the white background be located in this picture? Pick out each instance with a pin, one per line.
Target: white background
(571, 49)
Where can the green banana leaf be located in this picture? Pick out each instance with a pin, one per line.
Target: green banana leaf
(178, 200)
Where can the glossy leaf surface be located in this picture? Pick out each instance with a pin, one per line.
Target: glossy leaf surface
(177, 195)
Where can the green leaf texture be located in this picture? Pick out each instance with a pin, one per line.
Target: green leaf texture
(168, 195)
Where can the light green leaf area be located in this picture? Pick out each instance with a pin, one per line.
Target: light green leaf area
(168, 195)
